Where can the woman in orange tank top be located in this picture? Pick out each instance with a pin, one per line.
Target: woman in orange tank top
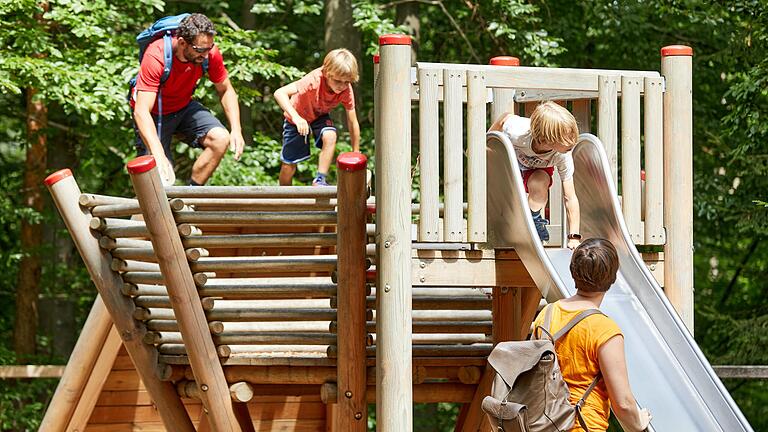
(596, 344)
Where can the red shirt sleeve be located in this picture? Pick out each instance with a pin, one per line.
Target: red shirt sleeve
(348, 100)
(217, 72)
(151, 68)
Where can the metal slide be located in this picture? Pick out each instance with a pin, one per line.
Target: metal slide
(667, 370)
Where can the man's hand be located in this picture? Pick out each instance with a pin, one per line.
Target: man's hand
(236, 143)
(573, 243)
(301, 125)
(165, 169)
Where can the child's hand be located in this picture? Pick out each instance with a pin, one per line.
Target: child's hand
(301, 125)
(573, 243)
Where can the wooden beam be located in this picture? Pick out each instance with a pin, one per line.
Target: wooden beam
(352, 411)
(743, 372)
(65, 194)
(96, 380)
(31, 371)
(185, 301)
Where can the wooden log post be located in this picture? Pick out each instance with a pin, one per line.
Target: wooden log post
(676, 67)
(503, 99)
(186, 304)
(81, 363)
(66, 193)
(351, 414)
(394, 393)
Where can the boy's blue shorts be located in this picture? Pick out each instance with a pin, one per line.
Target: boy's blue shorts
(296, 146)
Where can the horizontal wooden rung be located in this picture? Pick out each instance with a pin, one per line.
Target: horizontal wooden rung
(250, 192)
(202, 218)
(264, 204)
(277, 314)
(261, 240)
(297, 263)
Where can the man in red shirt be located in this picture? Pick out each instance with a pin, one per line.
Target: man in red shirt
(197, 126)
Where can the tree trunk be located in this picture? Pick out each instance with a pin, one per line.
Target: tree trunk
(248, 20)
(407, 14)
(340, 32)
(28, 287)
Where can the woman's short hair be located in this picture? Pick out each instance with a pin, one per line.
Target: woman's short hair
(194, 25)
(341, 64)
(552, 123)
(594, 265)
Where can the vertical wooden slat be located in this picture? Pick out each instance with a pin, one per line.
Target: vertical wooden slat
(654, 162)
(607, 118)
(529, 107)
(453, 154)
(630, 156)
(429, 156)
(582, 110)
(557, 223)
(476, 184)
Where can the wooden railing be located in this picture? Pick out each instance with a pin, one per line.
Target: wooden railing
(469, 88)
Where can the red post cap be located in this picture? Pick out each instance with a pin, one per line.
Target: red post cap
(57, 176)
(376, 58)
(642, 175)
(351, 161)
(504, 61)
(676, 50)
(394, 39)
(141, 164)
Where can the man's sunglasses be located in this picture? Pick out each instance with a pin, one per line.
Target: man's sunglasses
(201, 50)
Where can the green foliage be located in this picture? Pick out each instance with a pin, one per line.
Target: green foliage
(78, 56)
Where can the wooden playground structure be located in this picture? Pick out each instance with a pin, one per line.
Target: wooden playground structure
(292, 308)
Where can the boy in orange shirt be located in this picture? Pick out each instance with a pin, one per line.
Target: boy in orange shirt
(306, 104)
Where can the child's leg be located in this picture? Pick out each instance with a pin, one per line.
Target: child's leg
(538, 190)
(327, 152)
(295, 149)
(286, 174)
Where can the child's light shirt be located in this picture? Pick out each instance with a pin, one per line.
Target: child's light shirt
(519, 131)
(315, 97)
(577, 355)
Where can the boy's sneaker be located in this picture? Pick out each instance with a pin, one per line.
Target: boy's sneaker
(319, 182)
(541, 227)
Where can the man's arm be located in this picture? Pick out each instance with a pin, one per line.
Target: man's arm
(572, 210)
(142, 115)
(354, 129)
(283, 98)
(228, 98)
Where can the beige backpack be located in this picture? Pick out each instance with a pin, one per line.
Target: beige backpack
(529, 393)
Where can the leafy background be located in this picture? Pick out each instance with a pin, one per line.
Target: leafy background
(76, 56)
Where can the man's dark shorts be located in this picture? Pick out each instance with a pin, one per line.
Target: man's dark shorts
(190, 124)
(296, 146)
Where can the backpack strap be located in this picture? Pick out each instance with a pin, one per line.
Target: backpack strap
(572, 323)
(167, 56)
(583, 399)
